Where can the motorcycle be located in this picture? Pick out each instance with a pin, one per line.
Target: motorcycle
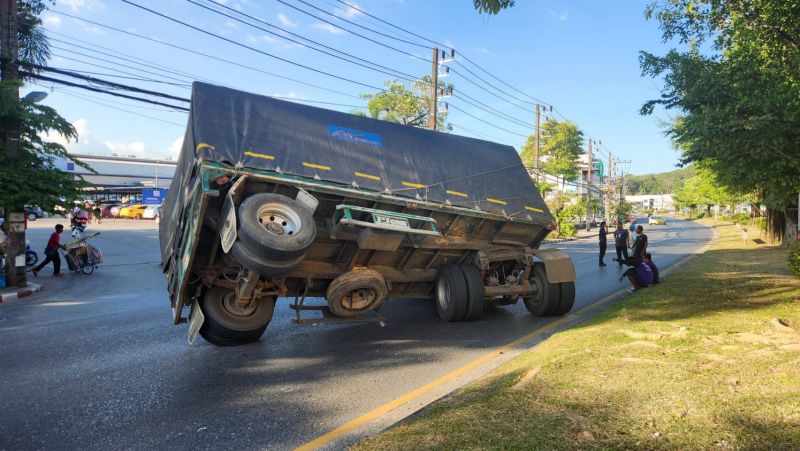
(79, 226)
(31, 257)
(81, 256)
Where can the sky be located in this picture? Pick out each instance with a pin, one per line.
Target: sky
(581, 57)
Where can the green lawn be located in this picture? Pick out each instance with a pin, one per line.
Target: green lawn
(708, 359)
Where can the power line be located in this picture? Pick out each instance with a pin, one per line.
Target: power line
(485, 122)
(239, 44)
(359, 25)
(141, 78)
(206, 55)
(393, 25)
(103, 91)
(352, 32)
(379, 68)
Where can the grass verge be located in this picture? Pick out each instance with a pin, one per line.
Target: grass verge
(710, 358)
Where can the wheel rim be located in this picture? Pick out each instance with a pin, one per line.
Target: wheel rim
(539, 296)
(359, 299)
(232, 308)
(279, 219)
(443, 294)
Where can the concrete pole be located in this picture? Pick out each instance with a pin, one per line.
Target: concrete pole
(434, 90)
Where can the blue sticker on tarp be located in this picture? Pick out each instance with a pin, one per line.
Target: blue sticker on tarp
(356, 136)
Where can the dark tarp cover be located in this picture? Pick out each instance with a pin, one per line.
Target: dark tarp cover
(260, 132)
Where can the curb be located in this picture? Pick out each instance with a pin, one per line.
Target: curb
(21, 292)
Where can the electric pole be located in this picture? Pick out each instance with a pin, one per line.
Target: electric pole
(537, 148)
(14, 214)
(589, 190)
(434, 90)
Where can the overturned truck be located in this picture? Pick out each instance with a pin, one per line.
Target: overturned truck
(277, 199)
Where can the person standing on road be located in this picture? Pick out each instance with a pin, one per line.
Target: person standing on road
(602, 236)
(622, 241)
(639, 246)
(52, 253)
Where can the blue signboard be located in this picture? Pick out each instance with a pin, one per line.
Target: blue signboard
(356, 136)
(153, 196)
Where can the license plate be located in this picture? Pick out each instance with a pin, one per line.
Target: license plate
(196, 319)
(390, 220)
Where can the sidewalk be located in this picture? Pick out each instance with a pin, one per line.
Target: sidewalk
(9, 293)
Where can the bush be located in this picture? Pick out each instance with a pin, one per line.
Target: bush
(568, 230)
(701, 214)
(794, 261)
(741, 218)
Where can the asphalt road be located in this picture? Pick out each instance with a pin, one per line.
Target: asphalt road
(94, 363)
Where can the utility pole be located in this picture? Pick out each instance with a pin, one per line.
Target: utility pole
(589, 190)
(609, 188)
(14, 214)
(537, 151)
(434, 90)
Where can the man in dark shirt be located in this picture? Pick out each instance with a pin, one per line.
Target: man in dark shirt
(602, 235)
(622, 240)
(648, 260)
(52, 253)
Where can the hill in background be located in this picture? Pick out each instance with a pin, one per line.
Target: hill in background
(659, 183)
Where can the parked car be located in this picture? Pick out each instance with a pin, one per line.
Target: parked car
(34, 213)
(151, 211)
(656, 220)
(135, 211)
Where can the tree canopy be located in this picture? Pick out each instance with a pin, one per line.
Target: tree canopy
(736, 89)
(705, 189)
(406, 103)
(561, 145)
(30, 176)
(661, 182)
(492, 6)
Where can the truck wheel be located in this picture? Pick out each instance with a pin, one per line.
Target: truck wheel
(475, 292)
(227, 323)
(356, 292)
(451, 293)
(567, 297)
(275, 227)
(264, 266)
(547, 300)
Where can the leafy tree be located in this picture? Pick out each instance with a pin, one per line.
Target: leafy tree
(662, 182)
(561, 145)
(705, 189)
(407, 104)
(28, 174)
(739, 104)
(492, 6)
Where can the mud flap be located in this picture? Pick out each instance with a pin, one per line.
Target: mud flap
(557, 264)
(228, 227)
(196, 320)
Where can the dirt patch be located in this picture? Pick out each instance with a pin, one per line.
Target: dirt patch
(526, 379)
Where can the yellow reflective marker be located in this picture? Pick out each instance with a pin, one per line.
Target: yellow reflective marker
(203, 146)
(317, 166)
(537, 210)
(456, 193)
(367, 176)
(258, 155)
(496, 201)
(413, 185)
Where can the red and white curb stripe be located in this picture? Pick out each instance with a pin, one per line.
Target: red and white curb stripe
(21, 292)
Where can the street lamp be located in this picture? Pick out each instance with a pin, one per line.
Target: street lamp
(34, 97)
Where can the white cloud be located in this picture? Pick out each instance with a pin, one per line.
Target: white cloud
(77, 5)
(327, 27)
(350, 10)
(175, 147)
(136, 148)
(561, 16)
(286, 21)
(51, 21)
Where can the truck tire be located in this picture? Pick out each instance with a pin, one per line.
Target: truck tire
(476, 293)
(275, 227)
(356, 292)
(228, 324)
(261, 265)
(547, 300)
(451, 293)
(567, 297)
